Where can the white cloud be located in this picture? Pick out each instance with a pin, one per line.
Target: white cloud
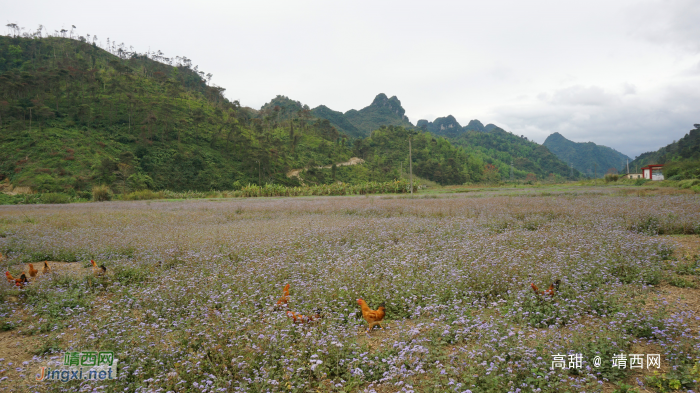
(673, 22)
(628, 89)
(627, 123)
(582, 96)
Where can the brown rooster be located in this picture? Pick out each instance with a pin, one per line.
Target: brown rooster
(98, 270)
(21, 281)
(282, 302)
(32, 271)
(553, 288)
(373, 317)
(301, 318)
(46, 268)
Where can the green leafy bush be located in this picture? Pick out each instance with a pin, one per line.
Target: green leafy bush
(685, 184)
(101, 193)
(54, 197)
(611, 178)
(143, 195)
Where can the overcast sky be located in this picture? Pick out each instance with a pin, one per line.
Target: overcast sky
(624, 74)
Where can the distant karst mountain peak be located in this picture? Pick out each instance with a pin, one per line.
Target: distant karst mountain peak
(588, 157)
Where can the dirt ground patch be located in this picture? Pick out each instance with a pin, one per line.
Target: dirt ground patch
(686, 245)
(18, 365)
(73, 268)
(352, 161)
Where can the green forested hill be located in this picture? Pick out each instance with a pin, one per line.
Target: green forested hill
(681, 158)
(450, 127)
(495, 146)
(442, 126)
(338, 120)
(434, 158)
(501, 148)
(587, 157)
(73, 115)
(383, 111)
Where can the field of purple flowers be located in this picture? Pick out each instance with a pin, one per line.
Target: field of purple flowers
(187, 301)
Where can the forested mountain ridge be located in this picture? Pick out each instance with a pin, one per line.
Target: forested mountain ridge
(499, 148)
(450, 127)
(383, 111)
(587, 157)
(681, 158)
(73, 115)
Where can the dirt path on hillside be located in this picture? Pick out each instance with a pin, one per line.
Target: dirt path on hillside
(352, 161)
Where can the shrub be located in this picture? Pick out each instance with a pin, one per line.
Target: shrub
(143, 195)
(688, 183)
(611, 177)
(640, 182)
(54, 197)
(101, 193)
(139, 181)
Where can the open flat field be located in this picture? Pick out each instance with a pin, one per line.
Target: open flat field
(188, 301)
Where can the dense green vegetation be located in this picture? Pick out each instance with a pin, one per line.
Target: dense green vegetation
(681, 158)
(73, 115)
(530, 160)
(450, 127)
(497, 149)
(338, 120)
(472, 157)
(589, 158)
(435, 159)
(383, 111)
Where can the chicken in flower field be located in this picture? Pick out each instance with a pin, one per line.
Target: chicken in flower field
(20, 282)
(32, 271)
(553, 288)
(373, 317)
(282, 302)
(98, 270)
(301, 318)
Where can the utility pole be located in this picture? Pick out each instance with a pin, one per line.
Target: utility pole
(410, 163)
(595, 171)
(259, 176)
(628, 166)
(572, 170)
(511, 170)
